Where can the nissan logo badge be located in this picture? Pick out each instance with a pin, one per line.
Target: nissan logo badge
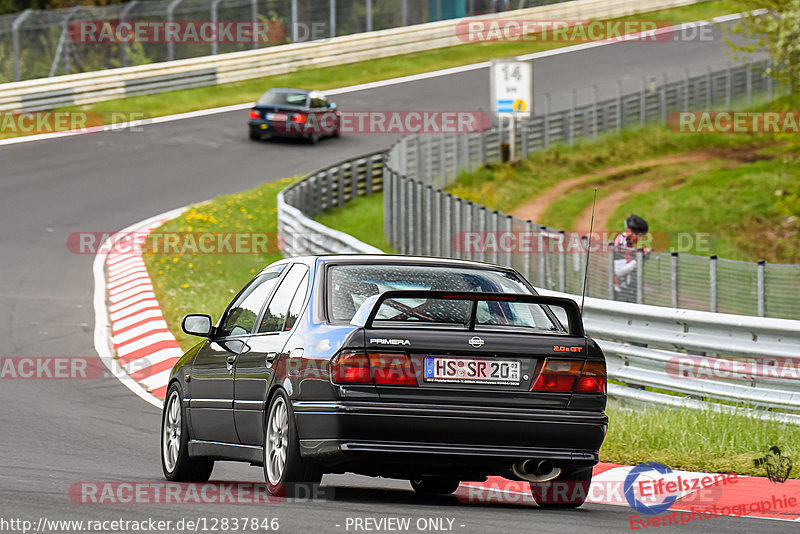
(476, 342)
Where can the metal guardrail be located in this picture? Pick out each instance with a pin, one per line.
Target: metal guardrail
(90, 87)
(40, 46)
(656, 355)
(320, 193)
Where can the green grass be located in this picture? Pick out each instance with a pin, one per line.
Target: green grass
(694, 440)
(729, 194)
(367, 71)
(205, 283)
(505, 187)
(737, 206)
(363, 218)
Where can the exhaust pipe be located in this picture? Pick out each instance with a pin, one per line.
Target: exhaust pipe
(535, 471)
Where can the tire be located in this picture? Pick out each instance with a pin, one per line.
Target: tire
(178, 466)
(312, 139)
(434, 485)
(255, 136)
(569, 490)
(285, 471)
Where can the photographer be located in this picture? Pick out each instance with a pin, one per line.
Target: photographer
(625, 262)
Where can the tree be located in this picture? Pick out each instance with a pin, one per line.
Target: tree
(14, 6)
(777, 30)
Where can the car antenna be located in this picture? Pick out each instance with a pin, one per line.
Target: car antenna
(588, 251)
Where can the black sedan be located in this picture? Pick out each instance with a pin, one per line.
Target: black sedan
(432, 370)
(293, 113)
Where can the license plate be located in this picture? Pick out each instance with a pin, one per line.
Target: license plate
(472, 371)
(276, 116)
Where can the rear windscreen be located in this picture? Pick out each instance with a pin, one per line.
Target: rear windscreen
(281, 98)
(350, 285)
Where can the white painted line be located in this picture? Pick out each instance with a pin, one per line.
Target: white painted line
(128, 282)
(133, 346)
(370, 85)
(151, 359)
(157, 380)
(143, 316)
(149, 326)
(130, 286)
(122, 304)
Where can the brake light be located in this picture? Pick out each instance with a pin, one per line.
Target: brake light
(593, 378)
(392, 369)
(255, 114)
(557, 375)
(568, 376)
(351, 368)
(377, 368)
(299, 118)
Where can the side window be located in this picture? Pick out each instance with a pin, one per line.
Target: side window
(241, 316)
(297, 304)
(318, 102)
(278, 308)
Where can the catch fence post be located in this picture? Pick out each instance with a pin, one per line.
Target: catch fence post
(639, 276)
(761, 288)
(15, 41)
(712, 283)
(674, 279)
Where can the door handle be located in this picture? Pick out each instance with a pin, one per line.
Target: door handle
(271, 356)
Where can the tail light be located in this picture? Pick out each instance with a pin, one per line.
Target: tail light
(592, 379)
(392, 369)
(378, 368)
(255, 114)
(299, 118)
(568, 376)
(351, 368)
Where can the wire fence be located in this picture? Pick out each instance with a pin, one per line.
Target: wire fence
(421, 218)
(44, 43)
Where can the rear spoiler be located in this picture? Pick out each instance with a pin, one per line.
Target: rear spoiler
(365, 315)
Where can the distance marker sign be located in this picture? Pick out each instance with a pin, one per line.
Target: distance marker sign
(512, 87)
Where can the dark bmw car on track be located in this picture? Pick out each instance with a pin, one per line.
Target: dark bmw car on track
(432, 370)
(293, 113)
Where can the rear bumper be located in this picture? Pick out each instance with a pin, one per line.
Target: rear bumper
(378, 437)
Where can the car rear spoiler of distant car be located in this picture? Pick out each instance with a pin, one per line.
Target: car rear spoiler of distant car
(366, 314)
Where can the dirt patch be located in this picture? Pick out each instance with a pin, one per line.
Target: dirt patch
(534, 210)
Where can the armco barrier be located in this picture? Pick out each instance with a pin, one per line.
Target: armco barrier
(89, 87)
(319, 193)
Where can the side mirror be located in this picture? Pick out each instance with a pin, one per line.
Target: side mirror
(197, 324)
(333, 105)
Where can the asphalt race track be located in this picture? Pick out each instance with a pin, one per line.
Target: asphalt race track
(55, 433)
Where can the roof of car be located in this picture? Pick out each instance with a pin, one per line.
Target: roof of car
(397, 258)
(289, 90)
